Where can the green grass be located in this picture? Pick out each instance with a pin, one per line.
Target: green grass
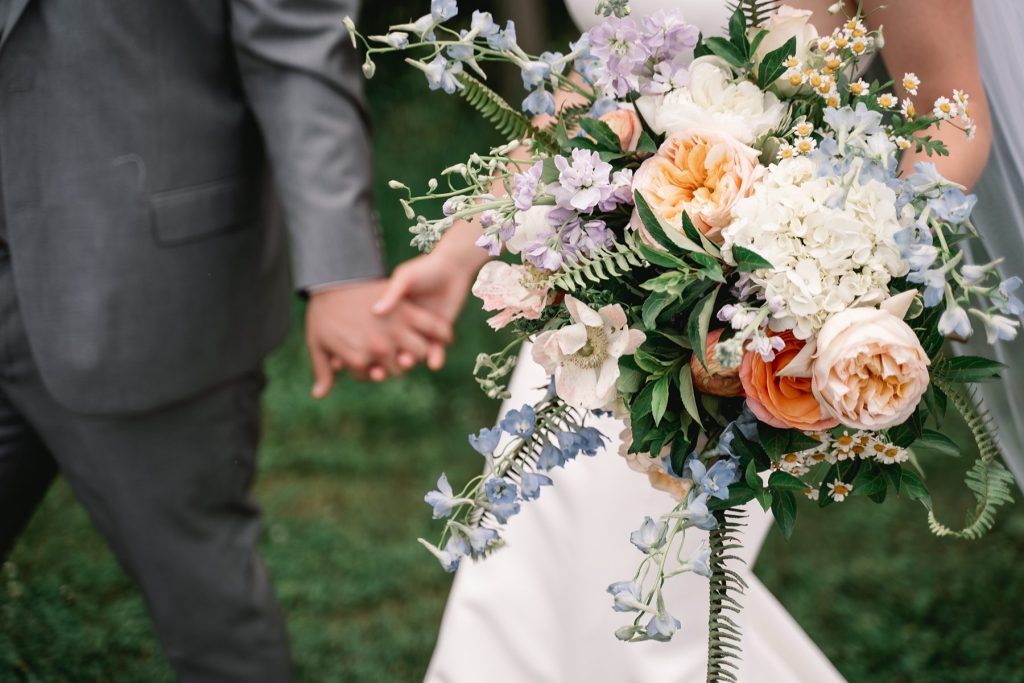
(342, 483)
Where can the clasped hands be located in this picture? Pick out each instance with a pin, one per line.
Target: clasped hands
(381, 328)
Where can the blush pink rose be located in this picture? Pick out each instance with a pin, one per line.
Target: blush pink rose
(511, 290)
(870, 370)
(626, 124)
(715, 379)
(702, 173)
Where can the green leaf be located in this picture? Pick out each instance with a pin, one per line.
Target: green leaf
(915, 488)
(739, 494)
(698, 324)
(662, 258)
(641, 406)
(646, 144)
(784, 509)
(727, 51)
(868, 482)
(738, 31)
(798, 441)
(659, 399)
(756, 42)
(645, 361)
(750, 450)
(701, 48)
(894, 473)
(687, 394)
(663, 233)
(937, 442)
(630, 379)
(764, 497)
(709, 267)
(653, 306)
(773, 64)
(774, 440)
(602, 133)
(751, 478)
(680, 452)
(783, 481)
(964, 369)
(696, 235)
(747, 261)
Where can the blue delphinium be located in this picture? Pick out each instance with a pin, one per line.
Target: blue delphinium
(715, 481)
(650, 536)
(953, 206)
(481, 538)
(486, 441)
(626, 595)
(697, 513)
(699, 561)
(540, 101)
(442, 499)
(454, 550)
(520, 422)
(530, 485)
(503, 40)
(501, 491)
(1013, 305)
(550, 457)
(441, 74)
(662, 627)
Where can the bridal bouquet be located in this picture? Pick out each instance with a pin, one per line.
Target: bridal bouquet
(710, 237)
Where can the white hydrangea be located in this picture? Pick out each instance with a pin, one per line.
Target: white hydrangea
(829, 240)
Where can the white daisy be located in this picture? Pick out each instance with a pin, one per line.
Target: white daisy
(839, 490)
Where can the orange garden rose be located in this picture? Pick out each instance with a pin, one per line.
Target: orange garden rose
(784, 402)
(700, 172)
(626, 124)
(715, 379)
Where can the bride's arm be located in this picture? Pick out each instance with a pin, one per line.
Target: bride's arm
(935, 39)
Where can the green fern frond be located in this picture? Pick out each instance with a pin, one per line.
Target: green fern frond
(724, 635)
(611, 262)
(756, 11)
(990, 482)
(506, 120)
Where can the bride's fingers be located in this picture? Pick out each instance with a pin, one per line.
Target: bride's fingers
(323, 375)
(378, 374)
(436, 357)
(397, 287)
(337, 363)
(431, 326)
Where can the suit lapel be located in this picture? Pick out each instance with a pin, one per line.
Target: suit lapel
(13, 14)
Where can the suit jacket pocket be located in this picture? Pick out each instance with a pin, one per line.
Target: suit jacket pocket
(194, 213)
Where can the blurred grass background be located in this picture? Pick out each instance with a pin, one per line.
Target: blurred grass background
(342, 482)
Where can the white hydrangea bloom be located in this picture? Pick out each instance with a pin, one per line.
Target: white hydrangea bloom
(830, 240)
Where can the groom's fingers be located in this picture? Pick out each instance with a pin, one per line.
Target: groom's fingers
(393, 294)
(323, 374)
(337, 363)
(431, 326)
(435, 357)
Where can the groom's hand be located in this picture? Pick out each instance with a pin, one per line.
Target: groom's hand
(434, 282)
(343, 334)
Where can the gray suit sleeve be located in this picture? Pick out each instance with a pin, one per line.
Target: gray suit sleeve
(304, 82)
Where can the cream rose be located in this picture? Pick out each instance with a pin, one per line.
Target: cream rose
(514, 291)
(530, 226)
(626, 124)
(869, 371)
(700, 172)
(713, 100)
(787, 23)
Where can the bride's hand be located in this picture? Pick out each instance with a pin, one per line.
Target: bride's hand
(438, 282)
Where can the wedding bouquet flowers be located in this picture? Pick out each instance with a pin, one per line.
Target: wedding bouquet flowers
(711, 238)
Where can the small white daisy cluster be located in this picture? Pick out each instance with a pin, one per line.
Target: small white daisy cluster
(833, 53)
(803, 142)
(867, 446)
(799, 464)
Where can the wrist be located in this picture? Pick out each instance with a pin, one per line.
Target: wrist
(465, 258)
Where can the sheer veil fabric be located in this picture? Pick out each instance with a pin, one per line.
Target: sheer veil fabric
(537, 611)
(999, 214)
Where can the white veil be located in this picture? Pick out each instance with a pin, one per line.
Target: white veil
(999, 214)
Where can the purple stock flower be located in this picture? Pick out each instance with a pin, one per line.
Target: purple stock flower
(584, 182)
(617, 43)
(526, 184)
(667, 33)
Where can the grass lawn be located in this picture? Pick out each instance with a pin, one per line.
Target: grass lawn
(342, 484)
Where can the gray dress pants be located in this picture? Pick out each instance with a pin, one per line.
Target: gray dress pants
(170, 492)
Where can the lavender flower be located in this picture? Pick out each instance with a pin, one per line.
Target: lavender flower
(667, 34)
(526, 184)
(584, 182)
(617, 43)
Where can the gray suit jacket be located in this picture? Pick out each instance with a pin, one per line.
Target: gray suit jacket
(136, 140)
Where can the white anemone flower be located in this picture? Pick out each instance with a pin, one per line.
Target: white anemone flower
(584, 356)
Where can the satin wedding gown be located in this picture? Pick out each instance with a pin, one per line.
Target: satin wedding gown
(537, 611)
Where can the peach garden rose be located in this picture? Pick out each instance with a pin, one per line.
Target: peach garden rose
(626, 124)
(702, 173)
(870, 370)
(783, 402)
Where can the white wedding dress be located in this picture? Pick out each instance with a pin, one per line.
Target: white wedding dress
(537, 610)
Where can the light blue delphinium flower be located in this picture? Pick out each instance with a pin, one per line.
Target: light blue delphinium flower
(626, 595)
(504, 512)
(481, 538)
(953, 205)
(535, 73)
(955, 321)
(650, 536)
(926, 177)
(714, 481)
(602, 106)
(454, 550)
(520, 422)
(589, 440)
(501, 491)
(852, 126)
(441, 74)
(550, 457)
(442, 499)
(934, 281)
(1013, 305)
(463, 52)
(443, 10)
(662, 627)
(482, 25)
(997, 327)
(540, 101)
(503, 41)
(530, 485)
(697, 513)
(699, 561)
(486, 441)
